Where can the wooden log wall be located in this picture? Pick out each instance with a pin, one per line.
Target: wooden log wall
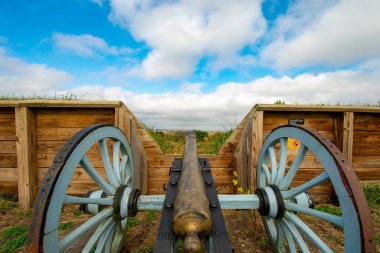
(355, 131)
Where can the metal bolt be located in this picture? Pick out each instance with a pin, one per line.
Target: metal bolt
(213, 204)
(173, 182)
(169, 205)
(208, 181)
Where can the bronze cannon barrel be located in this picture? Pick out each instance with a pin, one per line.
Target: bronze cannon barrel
(192, 218)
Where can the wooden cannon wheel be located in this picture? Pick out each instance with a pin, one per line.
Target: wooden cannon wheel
(280, 206)
(111, 222)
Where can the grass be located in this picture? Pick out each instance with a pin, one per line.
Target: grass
(151, 216)
(132, 221)
(65, 226)
(329, 209)
(15, 236)
(372, 194)
(172, 142)
(7, 202)
(39, 97)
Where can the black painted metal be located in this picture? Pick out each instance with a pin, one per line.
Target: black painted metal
(280, 201)
(165, 236)
(220, 235)
(264, 201)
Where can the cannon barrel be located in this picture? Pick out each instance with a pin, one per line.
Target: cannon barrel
(192, 218)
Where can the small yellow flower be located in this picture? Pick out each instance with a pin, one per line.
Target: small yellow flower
(239, 189)
(234, 181)
(249, 191)
(235, 174)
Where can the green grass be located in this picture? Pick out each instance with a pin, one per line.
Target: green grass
(378, 237)
(16, 237)
(132, 221)
(172, 142)
(7, 202)
(372, 194)
(151, 216)
(78, 213)
(65, 226)
(329, 209)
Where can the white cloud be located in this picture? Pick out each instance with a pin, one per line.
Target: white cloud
(319, 33)
(19, 77)
(189, 108)
(87, 45)
(181, 32)
(98, 2)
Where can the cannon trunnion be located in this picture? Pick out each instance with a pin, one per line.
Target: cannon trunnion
(191, 208)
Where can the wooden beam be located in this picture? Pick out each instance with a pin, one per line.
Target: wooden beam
(348, 135)
(123, 121)
(26, 156)
(257, 142)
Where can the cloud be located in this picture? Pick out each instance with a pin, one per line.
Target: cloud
(98, 2)
(223, 108)
(19, 77)
(315, 33)
(180, 33)
(87, 45)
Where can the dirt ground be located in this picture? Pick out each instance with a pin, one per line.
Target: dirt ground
(245, 229)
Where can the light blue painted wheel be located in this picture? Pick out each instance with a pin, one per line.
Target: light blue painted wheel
(280, 204)
(108, 224)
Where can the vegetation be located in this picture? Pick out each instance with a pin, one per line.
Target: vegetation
(172, 142)
(372, 194)
(40, 97)
(326, 208)
(15, 236)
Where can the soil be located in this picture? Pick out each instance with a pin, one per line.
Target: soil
(246, 230)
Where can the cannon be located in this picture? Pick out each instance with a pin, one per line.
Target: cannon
(191, 208)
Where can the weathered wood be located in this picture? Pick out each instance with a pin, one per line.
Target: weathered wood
(8, 161)
(348, 135)
(123, 121)
(26, 156)
(73, 120)
(257, 142)
(56, 133)
(7, 133)
(139, 159)
(316, 108)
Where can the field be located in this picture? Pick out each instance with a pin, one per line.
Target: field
(245, 228)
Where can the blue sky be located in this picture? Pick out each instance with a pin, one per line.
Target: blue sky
(209, 61)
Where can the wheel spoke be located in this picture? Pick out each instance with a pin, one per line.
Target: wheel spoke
(334, 219)
(323, 177)
(106, 162)
(273, 162)
(267, 172)
(73, 236)
(288, 236)
(116, 161)
(103, 239)
(308, 232)
(123, 169)
(271, 227)
(102, 229)
(280, 237)
(108, 247)
(282, 165)
(295, 234)
(80, 200)
(90, 170)
(285, 182)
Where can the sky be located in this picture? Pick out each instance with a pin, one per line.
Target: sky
(192, 64)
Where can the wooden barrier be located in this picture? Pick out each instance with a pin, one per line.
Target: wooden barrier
(32, 133)
(355, 131)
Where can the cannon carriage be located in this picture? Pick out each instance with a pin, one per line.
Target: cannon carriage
(191, 209)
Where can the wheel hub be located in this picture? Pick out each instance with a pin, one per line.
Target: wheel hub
(125, 202)
(271, 202)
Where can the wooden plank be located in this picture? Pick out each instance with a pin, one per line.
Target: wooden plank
(231, 143)
(123, 121)
(7, 119)
(60, 103)
(26, 157)
(366, 162)
(139, 159)
(8, 147)
(348, 135)
(7, 133)
(152, 148)
(8, 161)
(365, 149)
(8, 174)
(78, 175)
(321, 124)
(73, 120)
(257, 142)
(46, 160)
(367, 122)
(157, 187)
(364, 136)
(316, 108)
(367, 173)
(56, 133)
(222, 161)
